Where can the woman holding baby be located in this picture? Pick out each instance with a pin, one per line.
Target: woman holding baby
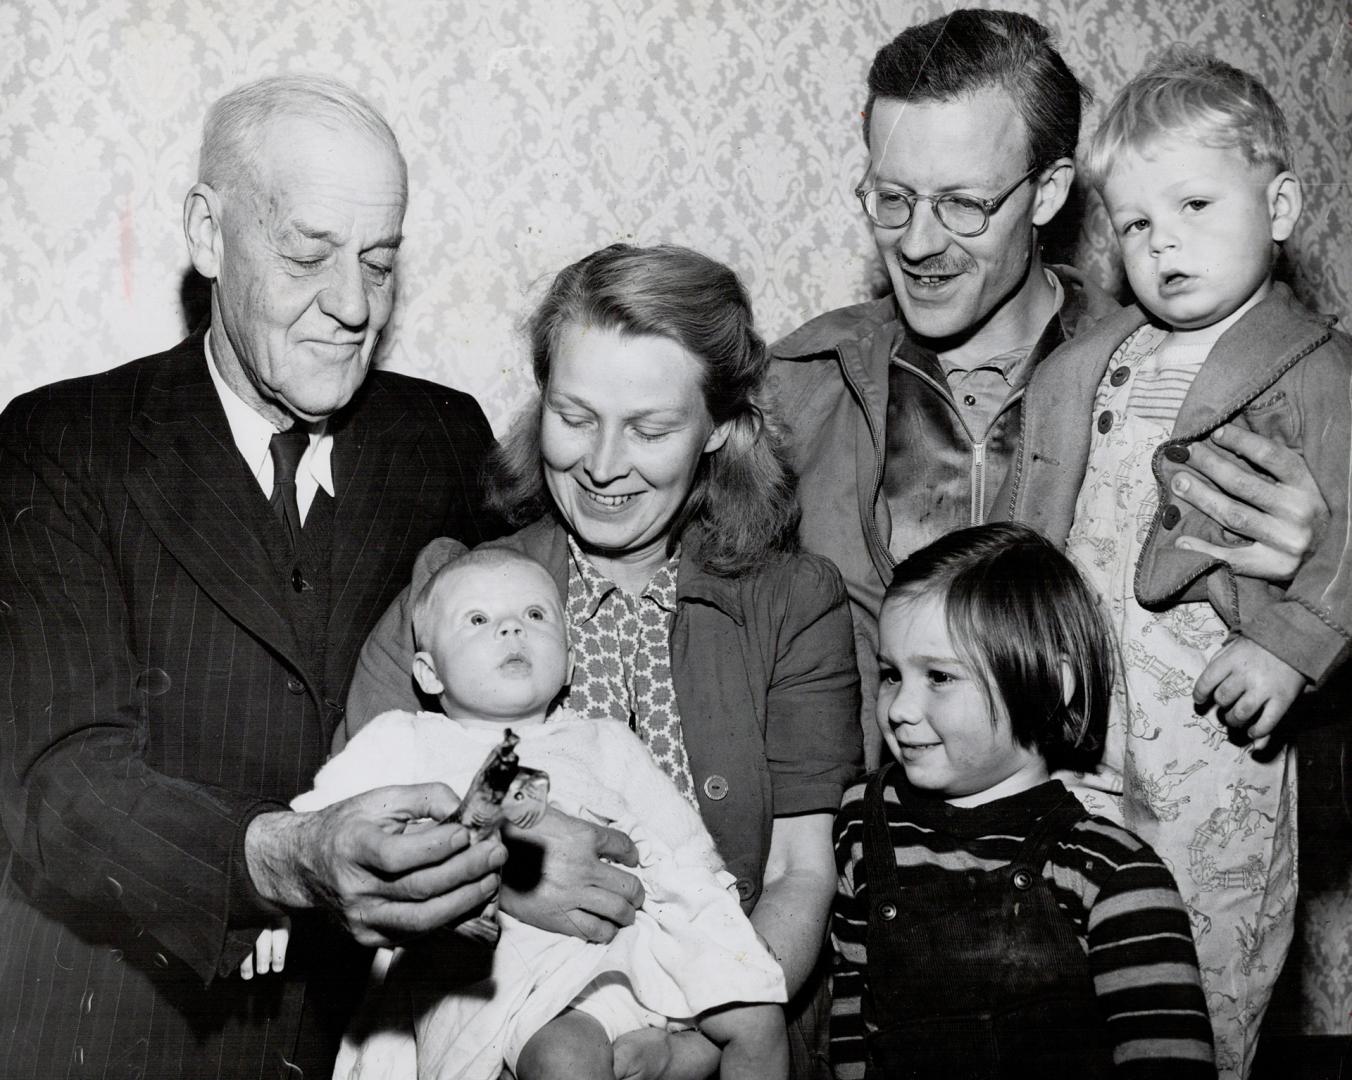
(650, 481)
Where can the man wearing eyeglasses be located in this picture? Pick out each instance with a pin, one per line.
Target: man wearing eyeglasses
(905, 411)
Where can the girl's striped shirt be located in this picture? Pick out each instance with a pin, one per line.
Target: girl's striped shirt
(1116, 891)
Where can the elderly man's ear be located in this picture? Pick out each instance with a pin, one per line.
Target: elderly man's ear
(202, 228)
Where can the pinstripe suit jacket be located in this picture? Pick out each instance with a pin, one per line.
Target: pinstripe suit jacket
(155, 696)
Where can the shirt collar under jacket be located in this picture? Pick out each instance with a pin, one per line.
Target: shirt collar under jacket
(1015, 366)
(252, 433)
(588, 587)
(547, 540)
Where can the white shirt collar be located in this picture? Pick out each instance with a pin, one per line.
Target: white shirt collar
(252, 433)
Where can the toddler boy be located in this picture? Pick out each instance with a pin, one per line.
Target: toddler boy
(1194, 165)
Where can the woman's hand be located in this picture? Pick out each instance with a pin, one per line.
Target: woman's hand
(1262, 493)
(559, 877)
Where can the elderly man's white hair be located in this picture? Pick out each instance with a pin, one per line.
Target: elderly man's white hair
(230, 133)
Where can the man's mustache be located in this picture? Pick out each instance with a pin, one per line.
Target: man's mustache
(937, 265)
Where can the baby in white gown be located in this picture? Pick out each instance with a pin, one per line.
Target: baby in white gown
(493, 648)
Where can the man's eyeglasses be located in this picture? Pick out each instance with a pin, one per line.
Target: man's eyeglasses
(962, 215)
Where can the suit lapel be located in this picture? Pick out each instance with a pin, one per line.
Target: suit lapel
(376, 468)
(200, 500)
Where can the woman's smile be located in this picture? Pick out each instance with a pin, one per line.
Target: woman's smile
(622, 433)
(612, 502)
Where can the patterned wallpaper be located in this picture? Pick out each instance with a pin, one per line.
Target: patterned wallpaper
(538, 130)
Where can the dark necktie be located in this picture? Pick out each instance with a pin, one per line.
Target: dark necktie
(286, 448)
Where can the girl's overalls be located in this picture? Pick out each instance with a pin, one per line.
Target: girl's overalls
(979, 973)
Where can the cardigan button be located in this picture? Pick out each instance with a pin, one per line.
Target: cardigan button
(1171, 516)
(1176, 453)
(887, 912)
(295, 685)
(1105, 421)
(298, 580)
(1121, 375)
(1023, 880)
(745, 890)
(716, 787)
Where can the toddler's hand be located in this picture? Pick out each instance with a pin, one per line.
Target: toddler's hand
(269, 951)
(1251, 688)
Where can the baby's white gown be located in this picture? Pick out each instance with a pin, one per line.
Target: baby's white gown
(690, 947)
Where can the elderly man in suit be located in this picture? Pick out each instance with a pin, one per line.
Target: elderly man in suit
(194, 546)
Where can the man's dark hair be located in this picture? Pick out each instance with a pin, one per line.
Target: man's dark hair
(971, 50)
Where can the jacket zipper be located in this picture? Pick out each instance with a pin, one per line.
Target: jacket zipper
(1017, 467)
(976, 472)
(978, 481)
(977, 469)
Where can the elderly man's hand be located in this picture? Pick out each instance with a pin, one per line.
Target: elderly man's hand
(385, 862)
(1278, 512)
(560, 877)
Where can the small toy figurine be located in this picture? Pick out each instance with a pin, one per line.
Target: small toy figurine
(503, 790)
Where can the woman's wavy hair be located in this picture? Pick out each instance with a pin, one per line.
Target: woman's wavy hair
(743, 504)
(1016, 608)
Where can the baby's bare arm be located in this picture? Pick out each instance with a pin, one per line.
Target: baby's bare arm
(1251, 688)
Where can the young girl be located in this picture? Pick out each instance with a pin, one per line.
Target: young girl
(985, 925)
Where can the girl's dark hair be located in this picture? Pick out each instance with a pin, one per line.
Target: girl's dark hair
(1016, 608)
(743, 504)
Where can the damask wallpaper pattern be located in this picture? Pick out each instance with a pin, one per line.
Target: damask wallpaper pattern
(538, 130)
